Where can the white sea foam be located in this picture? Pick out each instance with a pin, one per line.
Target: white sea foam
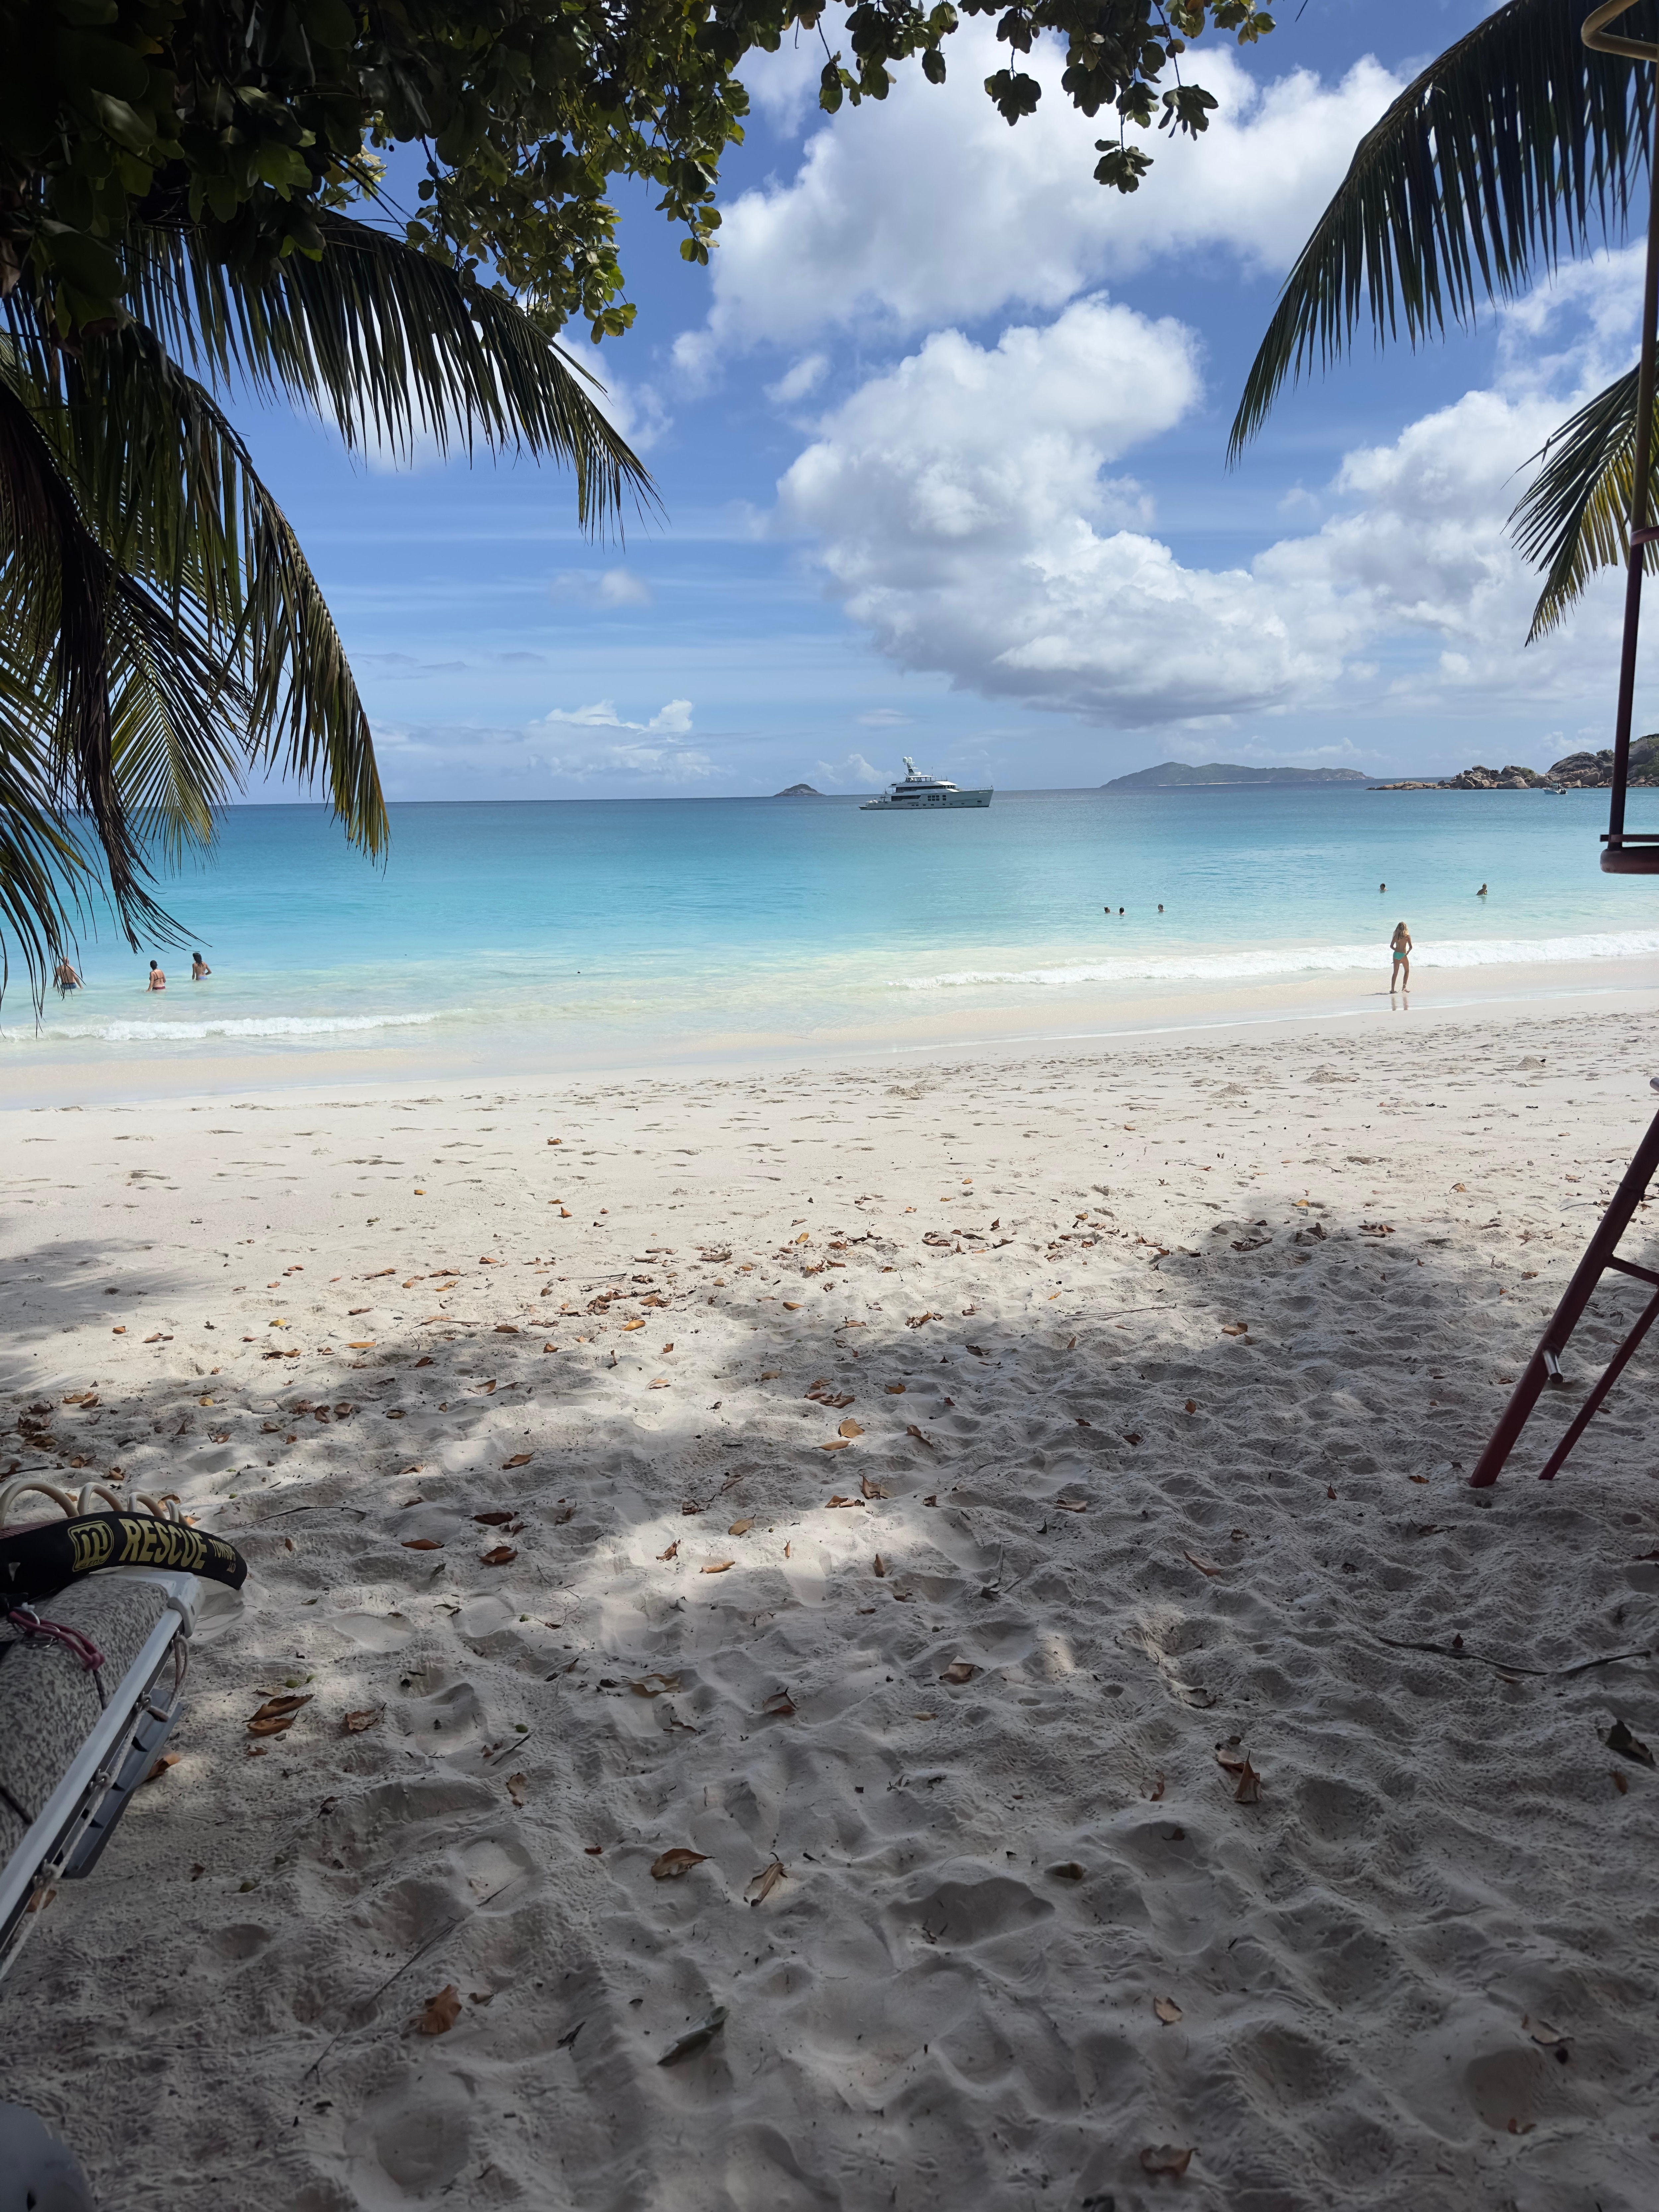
(1266, 961)
(255, 1025)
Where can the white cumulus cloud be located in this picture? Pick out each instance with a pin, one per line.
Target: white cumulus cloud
(607, 587)
(928, 209)
(674, 720)
(960, 505)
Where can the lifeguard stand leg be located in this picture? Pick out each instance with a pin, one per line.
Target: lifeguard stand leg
(1545, 1366)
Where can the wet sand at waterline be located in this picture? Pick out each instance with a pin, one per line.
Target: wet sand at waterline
(918, 1494)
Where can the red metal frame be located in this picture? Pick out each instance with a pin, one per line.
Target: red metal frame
(1544, 1367)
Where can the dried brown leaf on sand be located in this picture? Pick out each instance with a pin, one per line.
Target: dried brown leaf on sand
(1248, 1791)
(167, 1758)
(780, 1705)
(277, 1715)
(895, 1389)
(1073, 1505)
(765, 1882)
(1619, 1738)
(869, 1487)
(718, 1566)
(670, 1865)
(518, 1459)
(273, 1706)
(1156, 1792)
(695, 2039)
(741, 1527)
(835, 1444)
(517, 1785)
(502, 1555)
(672, 1552)
(1235, 1328)
(366, 1717)
(439, 2013)
(1167, 2010)
(959, 1670)
(911, 1429)
(1165, 2158)
(655, 1686)
(496, 1517)
(880, 1565)
(839, 1500)
(849, 1427)
(1204, 1566)
(421, 1544)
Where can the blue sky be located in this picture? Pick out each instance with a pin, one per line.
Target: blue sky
(940, 444)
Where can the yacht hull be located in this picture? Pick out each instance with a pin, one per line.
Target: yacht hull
(933, 802)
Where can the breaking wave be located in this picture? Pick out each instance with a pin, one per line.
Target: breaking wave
(1266, 961)
(252, 1025)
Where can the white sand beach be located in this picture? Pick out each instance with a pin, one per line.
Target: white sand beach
(917, 1496)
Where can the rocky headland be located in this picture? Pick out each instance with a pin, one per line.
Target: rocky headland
(1576, 772)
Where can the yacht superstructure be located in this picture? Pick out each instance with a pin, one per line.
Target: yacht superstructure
(915, 794)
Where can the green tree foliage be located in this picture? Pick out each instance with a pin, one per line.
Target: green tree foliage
(246, 121)
(191, 200)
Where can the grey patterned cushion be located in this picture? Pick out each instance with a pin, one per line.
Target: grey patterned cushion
(49, 1704)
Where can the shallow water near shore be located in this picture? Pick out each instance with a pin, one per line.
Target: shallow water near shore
(615, 932)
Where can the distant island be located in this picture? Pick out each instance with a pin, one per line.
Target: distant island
(1170, 775)
(1574, 772)
(799, 791)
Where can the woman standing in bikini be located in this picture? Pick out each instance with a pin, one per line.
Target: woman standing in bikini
(1401, 946)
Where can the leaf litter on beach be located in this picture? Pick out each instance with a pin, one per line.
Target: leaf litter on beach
(654, 1685)
(695, 2040)
(1619, 1738)
(763, 1884)
(277, 1715)
(1166, 2157)
(678, 1860)
(439, 2013)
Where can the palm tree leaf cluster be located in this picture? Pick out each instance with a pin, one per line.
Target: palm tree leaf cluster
(192, 205)
(164, 637)
(1517, 146)
(1574, 517)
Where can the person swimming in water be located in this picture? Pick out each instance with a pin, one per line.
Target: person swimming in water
(198, 968)
(157, 982)
(1400, 944)
(1481, 893)
(64, 978)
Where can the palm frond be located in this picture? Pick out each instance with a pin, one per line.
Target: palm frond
(84, 637)
(392, 346)
(1574, 517)
(47, 880)
(174, 492)
(1517, 145)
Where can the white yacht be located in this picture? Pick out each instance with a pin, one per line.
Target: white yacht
(917, 793)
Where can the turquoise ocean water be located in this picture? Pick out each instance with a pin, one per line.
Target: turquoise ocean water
(590, 934)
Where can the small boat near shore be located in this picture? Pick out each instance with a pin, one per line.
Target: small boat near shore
(915, 794)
